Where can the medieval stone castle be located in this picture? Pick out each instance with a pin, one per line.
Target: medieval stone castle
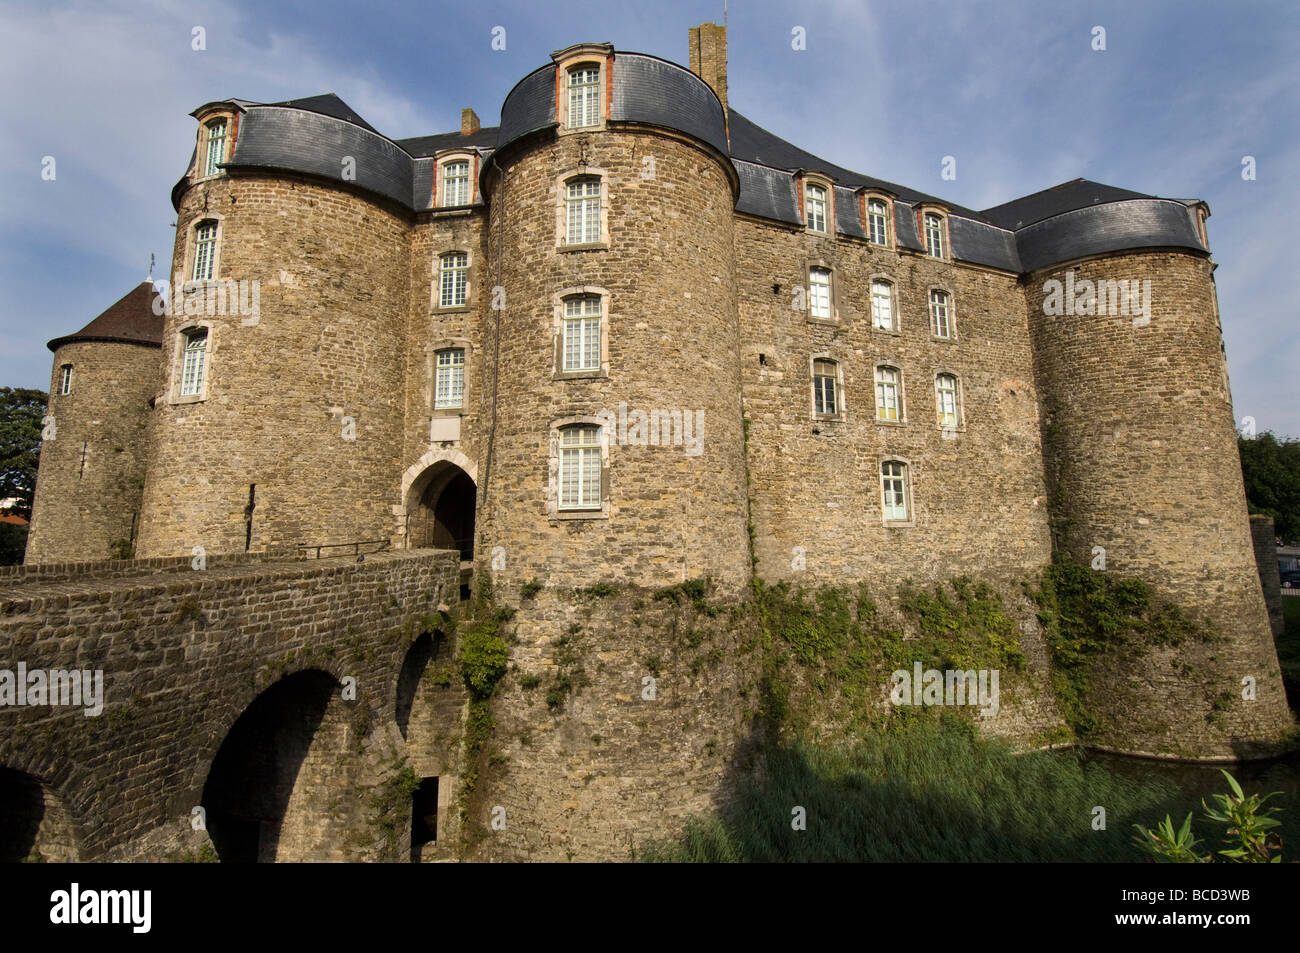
(630, 335)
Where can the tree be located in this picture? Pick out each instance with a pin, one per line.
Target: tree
(1271, 471)
(21, 412)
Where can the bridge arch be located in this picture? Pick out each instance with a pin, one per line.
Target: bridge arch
(35, 823)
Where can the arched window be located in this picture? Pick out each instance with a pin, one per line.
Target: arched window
(449, 384)
(582, 211)
(895, 498)
(934, 237)
(205, 251)
(878, 222)
(455, 183)
(580, 346)
(580, 466)
(65, 379)
(940, 314)
(819, 293)
(826, 397)
(889, 396)
(453, 280)
(216, 146)
(815, 207)
(194, 362)
(882, 305)
(584, 96)
(945, 400)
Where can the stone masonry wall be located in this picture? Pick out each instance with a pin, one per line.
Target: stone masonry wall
(333, 270)
(183, 655)
(91, 475)
(1141, 459)
(1264, 539)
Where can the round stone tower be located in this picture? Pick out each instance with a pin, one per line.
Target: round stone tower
(615, 447)
(93, 447)
(1143, 473)
(279, 419)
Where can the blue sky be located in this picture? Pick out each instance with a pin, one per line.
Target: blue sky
(1012, 90)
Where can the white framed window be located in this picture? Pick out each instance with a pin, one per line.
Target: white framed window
(453, 280)
(819, 293)
(65, 379)
(940, 314)
(449, 380)
(580, 467)
(194, 362)
(216, 147)
(815, 207)
(826, 402)
(877, 222)
(888, 393)
(584, 96)
(455, 183)
(580, 346)
(582, 211)
(945, 400)
(882, 305)
(894, 491)
(934, 239)
(205, 251)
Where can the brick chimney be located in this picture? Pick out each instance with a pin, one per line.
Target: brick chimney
(709, 58)
(468, 122)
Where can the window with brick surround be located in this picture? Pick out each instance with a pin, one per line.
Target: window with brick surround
(940, 313)
(453, 280)
(205, 251)
(882, 305)
(947, 404)
(580, 467)
(889, 393)
(584, 95)
(582, 211)
(826, 396)
(194, 362)
(877, 222)
(216, 146)
(455, 184)
(819, 293)
(449, 386)
(894, 491)
(935, 240)
(65, 379)
(815, 207)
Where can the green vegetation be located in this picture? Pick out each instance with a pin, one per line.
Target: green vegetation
(390, 803)
(601, 590)
(1270, 469)
(1250, 833)
(928, 791)
(531, 588)
(1092, 619)
(483, 654)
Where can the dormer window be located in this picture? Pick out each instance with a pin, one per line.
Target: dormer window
(216, 147)
(455, 183)
(815, 207)
(877, 222)
(584, 96)
(935, 240)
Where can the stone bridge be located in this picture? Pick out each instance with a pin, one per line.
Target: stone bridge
(258, 707)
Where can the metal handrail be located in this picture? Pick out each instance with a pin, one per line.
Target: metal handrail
(356, 546)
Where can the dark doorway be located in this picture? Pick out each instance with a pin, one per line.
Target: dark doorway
(424, 816)
(442, 516)
(21, 809)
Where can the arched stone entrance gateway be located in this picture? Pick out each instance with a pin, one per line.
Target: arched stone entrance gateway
(439, 505)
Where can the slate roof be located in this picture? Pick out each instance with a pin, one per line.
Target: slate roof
(131, 321)
(421, 146)
(327, 104)
(1066, 197)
